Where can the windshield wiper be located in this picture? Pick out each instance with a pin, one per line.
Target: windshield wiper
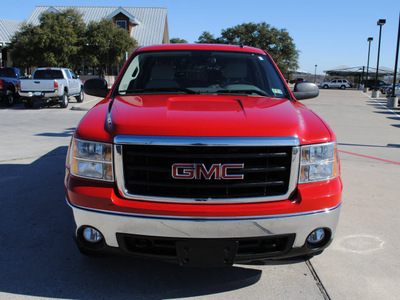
(248, 92)
(172, 89)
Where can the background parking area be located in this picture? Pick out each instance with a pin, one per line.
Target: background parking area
(38, 257)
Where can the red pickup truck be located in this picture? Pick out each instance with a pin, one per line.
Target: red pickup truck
(201, 155)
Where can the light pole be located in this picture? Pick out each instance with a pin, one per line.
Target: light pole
(1, 55)
(315, 74)
(369, 40)
(393, 100)
(380, 23)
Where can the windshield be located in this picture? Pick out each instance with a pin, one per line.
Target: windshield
(202, 72)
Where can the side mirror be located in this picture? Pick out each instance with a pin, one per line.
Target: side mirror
(96, 87)
(305, 90)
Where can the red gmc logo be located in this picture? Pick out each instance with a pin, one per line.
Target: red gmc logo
(198, 171)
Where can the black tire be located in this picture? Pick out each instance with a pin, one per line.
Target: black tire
(342, 87)
(64, 100)
(81, 96)
(9, 98)
(326, 86)
(28, 103)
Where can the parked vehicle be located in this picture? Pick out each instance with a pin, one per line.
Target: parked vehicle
(390, 89)
(384, 88)
(9, 79)
(294, 81)
(387, 89)
(201, 155)
(372, 83)
(336, 83)
(51, 85)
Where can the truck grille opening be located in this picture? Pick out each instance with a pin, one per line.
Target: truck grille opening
(166, 248)
(265, 172)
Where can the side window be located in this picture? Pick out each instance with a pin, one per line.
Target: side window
(68, 74)
(72, 74)
(333, 81)
(128, 80)
(339, 81)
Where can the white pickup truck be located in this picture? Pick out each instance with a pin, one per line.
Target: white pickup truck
(51, 85)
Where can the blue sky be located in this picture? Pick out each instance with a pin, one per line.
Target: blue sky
(327, 33)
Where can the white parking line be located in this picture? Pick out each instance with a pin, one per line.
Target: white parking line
(383, 105)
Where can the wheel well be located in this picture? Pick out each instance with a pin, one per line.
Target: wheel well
(11, 88)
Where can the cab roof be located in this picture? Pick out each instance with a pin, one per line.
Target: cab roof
(215, 47)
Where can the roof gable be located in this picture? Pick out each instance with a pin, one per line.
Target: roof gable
(120, 10)
(52, 9)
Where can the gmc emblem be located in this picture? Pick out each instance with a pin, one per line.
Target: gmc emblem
(197, 171)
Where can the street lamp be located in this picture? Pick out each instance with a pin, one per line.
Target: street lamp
(392, 101)
(315, 74)
(380, 23)
(369, 40)
(1, 55)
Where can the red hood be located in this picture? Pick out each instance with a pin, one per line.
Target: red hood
(204, 115)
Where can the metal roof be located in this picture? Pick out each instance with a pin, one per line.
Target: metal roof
(152, 21)
(7, 30)
(354, 71)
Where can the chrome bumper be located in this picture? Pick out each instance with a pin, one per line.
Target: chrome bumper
(301, 224)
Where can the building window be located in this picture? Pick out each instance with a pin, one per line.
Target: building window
(122, 24)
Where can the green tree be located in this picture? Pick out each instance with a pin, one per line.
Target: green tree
(208, 38)
(24, 52)
(106, 44)
(56, 41)
(277, 42)
(178, 41)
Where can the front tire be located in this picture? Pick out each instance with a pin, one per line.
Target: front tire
(64, 100)
(325, 86)
(81, 96)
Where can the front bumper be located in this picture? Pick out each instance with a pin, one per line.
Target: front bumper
(288, 231)
(300, 224)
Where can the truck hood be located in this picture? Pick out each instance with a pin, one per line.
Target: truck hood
(203, 115)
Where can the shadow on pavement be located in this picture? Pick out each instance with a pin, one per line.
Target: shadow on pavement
(38, 256)
(67, 132)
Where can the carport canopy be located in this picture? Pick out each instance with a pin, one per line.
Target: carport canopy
(358, 71)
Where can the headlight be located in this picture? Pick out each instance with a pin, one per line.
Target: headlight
(92, 160)
(318, 163)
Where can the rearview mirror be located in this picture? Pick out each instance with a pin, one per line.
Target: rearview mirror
(305, 90)
(96, 87)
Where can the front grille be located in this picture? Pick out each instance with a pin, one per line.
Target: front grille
(147, 171)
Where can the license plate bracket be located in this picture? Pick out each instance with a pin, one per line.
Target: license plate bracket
(206, 252)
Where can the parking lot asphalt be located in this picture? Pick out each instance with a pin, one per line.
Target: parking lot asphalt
(363, 260)
(38, 258)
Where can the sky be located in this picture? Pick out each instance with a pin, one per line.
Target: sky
(327, 33)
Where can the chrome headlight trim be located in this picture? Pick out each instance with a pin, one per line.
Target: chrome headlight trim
(102, 159)
(317, 158)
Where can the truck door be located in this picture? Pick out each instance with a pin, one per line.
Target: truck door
(73, 82)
